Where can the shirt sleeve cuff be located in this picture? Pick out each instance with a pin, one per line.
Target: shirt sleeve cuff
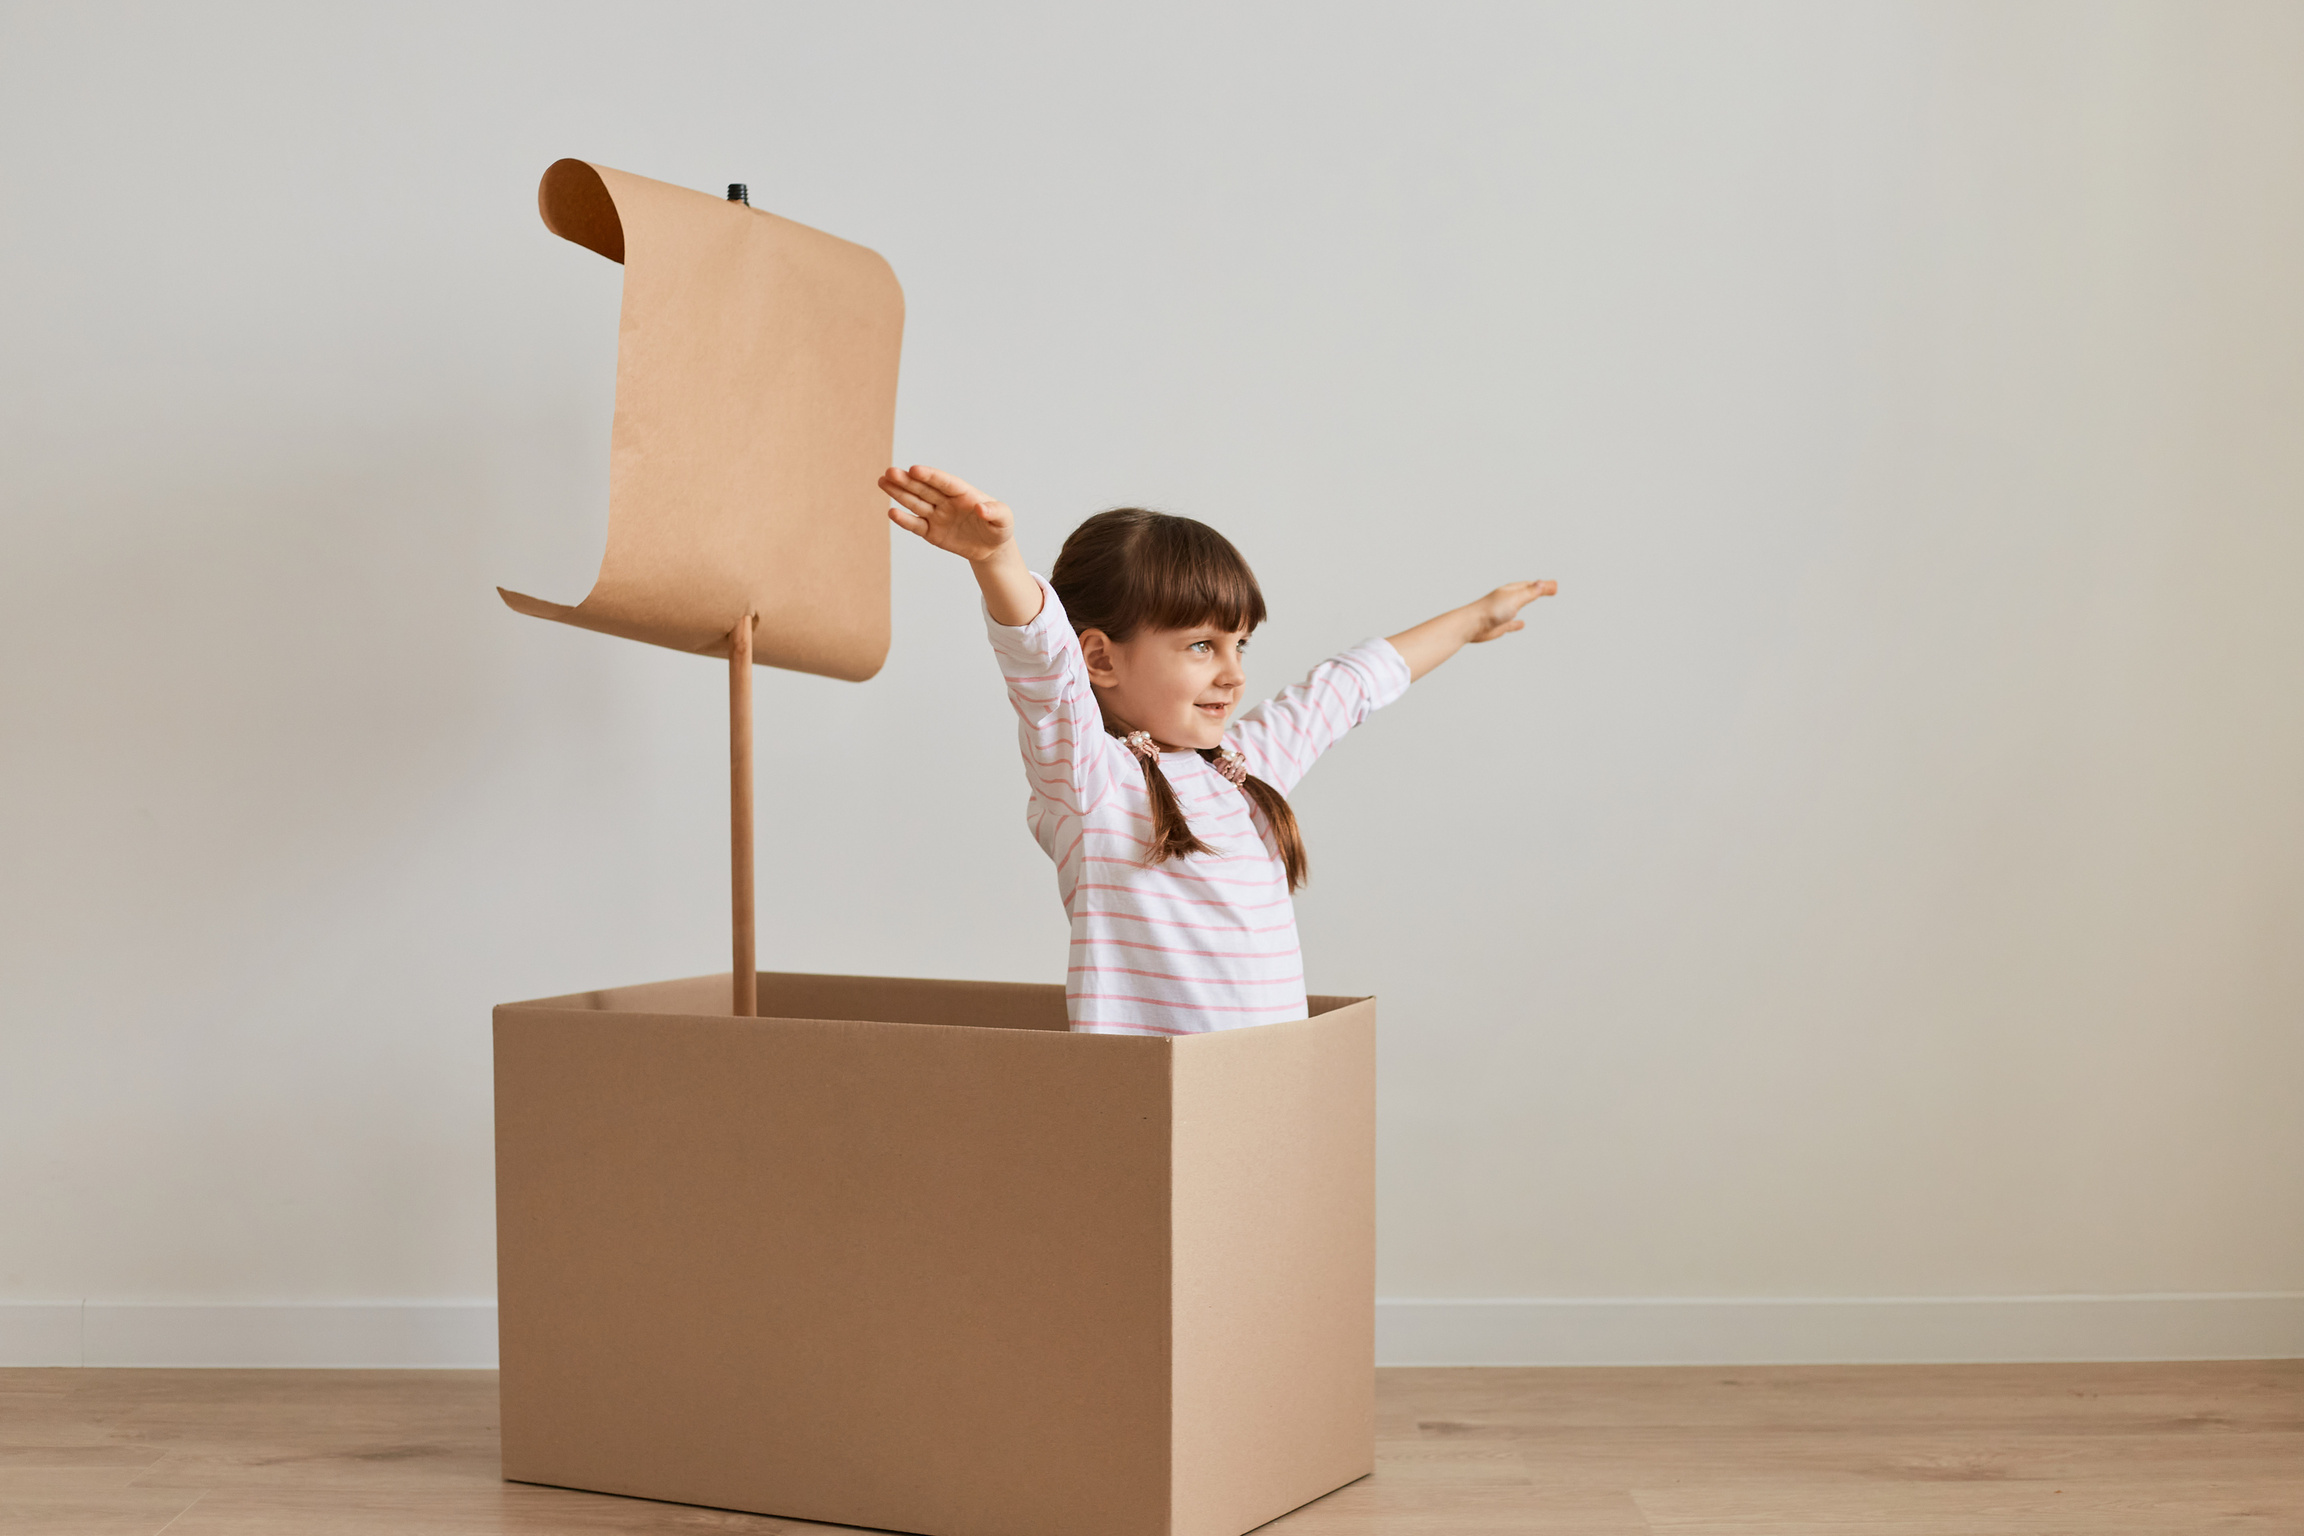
(1390, 667)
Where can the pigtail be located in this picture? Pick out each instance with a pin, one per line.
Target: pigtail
(1280, 816)
(1172, 836)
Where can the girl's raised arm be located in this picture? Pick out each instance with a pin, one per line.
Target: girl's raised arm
(1283, 735)
(955, 516)
(1067, 756)
(1435, 640)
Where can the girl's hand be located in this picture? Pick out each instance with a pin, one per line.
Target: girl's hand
(952, 514)
(948, 512)
(1497, 613)
(1435, 640)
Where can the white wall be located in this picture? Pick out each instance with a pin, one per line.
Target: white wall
(1880, 873)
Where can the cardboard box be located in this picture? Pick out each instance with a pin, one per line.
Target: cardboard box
(908, 1254)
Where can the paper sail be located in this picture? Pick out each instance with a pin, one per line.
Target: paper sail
(755, 409)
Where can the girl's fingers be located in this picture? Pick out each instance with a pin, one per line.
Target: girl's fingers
(897, 483)
(908, 522)
(915, 484)
(937, 480)
(1519, 594)
(915, 503)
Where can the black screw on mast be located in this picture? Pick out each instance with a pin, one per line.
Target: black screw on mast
(739, 193)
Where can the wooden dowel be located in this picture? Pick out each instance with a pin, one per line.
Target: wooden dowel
(746, 988)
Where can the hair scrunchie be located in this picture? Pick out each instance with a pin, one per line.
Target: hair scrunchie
(1224, 760)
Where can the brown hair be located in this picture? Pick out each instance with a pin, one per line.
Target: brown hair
(1129, 569)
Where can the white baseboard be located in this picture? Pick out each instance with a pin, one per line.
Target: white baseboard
(1549, 1331)
(40, 1333)
(1856, 1330)
(364, 1336)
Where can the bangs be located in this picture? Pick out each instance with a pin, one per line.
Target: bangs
(1130, 569)
(1187, 574)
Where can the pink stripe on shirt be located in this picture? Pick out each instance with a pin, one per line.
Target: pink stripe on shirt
(1205, 954)
(1296, 980)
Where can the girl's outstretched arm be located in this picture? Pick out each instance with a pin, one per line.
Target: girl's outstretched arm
(1068, 759)
(953, 515)
(1435, 640)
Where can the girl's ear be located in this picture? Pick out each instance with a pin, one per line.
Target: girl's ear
(1096, 651)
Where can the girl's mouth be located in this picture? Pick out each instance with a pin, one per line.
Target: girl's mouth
(1213, 711)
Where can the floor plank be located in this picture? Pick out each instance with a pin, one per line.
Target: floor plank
(1691, 1451)
(86, 1501)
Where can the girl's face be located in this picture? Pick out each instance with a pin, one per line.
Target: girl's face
(1182, 685)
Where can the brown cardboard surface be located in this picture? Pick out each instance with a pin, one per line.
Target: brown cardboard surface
(1274, 1246)
(877, 1274)
(951, 1269)
(755, 408)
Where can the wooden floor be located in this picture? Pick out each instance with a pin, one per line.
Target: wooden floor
(1969, 1450)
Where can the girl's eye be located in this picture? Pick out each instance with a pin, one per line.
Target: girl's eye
(1199, 645)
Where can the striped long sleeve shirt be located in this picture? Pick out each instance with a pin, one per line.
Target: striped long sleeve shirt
(1202, 942)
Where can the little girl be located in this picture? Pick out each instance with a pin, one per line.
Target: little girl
(1166, 813)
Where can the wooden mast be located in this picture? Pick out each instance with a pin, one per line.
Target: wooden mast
(746, 975)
